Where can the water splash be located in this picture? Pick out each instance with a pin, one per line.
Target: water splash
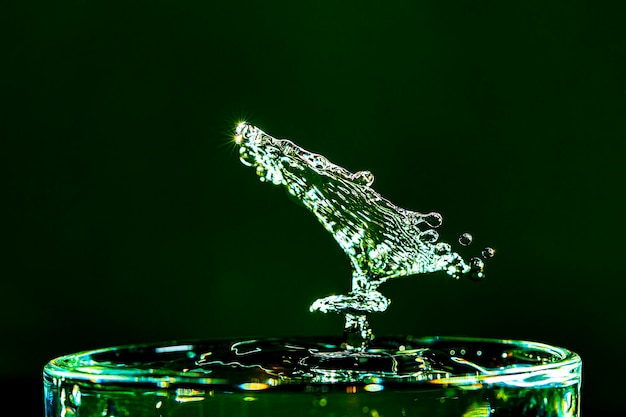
(465, 239)
(488, 252)
(381, 240)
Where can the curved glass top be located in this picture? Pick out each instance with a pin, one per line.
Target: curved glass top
(259, 364)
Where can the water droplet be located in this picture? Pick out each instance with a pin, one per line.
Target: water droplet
(488, 253)
(363, 177)
(433, 219)
(465, 239)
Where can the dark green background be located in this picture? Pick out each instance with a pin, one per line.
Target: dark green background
(130, 219)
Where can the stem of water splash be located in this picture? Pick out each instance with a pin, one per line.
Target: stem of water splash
(357, 334)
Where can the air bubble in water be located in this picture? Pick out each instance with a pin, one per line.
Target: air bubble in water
(488, 253)
(465, 239)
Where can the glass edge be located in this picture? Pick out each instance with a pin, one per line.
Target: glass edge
(569, 362)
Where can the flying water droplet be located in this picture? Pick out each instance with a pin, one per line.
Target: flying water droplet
(488, 253)
(433, 219)
(465, 239)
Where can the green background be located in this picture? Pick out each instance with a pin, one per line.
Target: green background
(130, 219)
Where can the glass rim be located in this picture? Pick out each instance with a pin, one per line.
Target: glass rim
(562, 369)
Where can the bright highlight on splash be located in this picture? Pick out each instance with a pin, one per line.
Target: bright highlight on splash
(382, 241)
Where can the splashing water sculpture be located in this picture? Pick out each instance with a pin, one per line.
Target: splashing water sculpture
(356, 375)
(381, 240)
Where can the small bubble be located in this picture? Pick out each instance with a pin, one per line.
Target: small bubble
(488, 253)
(465, 239)
(363, 177)
(433, 219)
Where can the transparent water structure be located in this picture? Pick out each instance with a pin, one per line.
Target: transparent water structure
(357, 374)
(424, 377)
